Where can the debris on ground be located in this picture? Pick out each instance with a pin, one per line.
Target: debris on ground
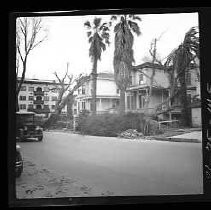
(38, 182)
(131, 134)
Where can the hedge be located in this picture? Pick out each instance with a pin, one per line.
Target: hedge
(113, 124)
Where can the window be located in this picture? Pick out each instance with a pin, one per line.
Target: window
(22, 106)
(75, 111)
(23, 88)
(78, 106)
(52, 106)
(38, 106)
(189, 98)
(46, 89)
(188, 78)
(130, 78)
(128, 102)
(83, 90)
(31, 89)
(113, 103)
(83, 105)
(31, 98)
(79, 91)
(30, 106)
(53, 98)
(141, 101)
(46, 106)
(39, 98)
(141, 79)
(22, 98)
(131, 102)
(39, 89)
(46, 98)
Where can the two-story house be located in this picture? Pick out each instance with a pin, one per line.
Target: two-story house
(140, 82)
(139, 88)
(107, 96)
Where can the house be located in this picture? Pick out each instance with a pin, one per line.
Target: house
(140, 82)
(107, 95)
(194, 91)
(39, 96)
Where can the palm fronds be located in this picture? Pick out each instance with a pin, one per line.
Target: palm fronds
(123, 53)
(180, 61)
(98, 37)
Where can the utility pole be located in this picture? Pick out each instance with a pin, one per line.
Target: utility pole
(67, 66)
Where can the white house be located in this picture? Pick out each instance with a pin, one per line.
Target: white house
(107, 96)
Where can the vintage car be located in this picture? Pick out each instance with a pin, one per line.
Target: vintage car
(18, 162)
(26, 127)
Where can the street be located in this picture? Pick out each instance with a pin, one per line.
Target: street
(122, 167)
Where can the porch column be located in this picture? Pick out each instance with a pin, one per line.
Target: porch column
(170, 115)
(137, 100)
(126, 108)
(100, 105)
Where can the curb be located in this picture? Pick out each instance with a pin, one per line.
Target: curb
(177, 139)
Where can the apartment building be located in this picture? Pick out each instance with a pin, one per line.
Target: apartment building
(39, 96)
(107, 96)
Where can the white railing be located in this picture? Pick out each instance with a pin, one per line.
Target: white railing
(168, 123)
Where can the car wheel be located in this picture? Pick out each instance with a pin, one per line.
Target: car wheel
(19, 172)
(20, 169)
(40, 138)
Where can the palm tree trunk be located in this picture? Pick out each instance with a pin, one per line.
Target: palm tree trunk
(122, 101)
(94, 87)
(185, 112)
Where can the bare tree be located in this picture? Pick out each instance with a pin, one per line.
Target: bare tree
(62, 87)
(29, 34)
(154, 60)
(64, 99)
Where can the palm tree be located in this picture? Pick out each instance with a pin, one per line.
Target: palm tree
(123, 53)
(180, 60)
(98, 37)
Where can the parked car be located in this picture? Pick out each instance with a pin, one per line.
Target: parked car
(27, 127)
(19, 161)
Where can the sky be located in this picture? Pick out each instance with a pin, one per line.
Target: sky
(67, 42)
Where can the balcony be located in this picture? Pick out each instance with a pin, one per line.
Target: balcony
(39, 93)
(39, 111)
(38, 102)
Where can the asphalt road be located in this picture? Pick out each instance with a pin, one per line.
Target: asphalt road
(121, 166)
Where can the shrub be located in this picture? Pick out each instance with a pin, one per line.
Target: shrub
(109, 124)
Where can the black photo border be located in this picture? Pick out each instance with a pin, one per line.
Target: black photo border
(205, 66)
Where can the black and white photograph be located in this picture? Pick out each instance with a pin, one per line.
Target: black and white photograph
(108, 105)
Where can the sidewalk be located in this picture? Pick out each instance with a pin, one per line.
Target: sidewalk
(188, 135)
(192, 137)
